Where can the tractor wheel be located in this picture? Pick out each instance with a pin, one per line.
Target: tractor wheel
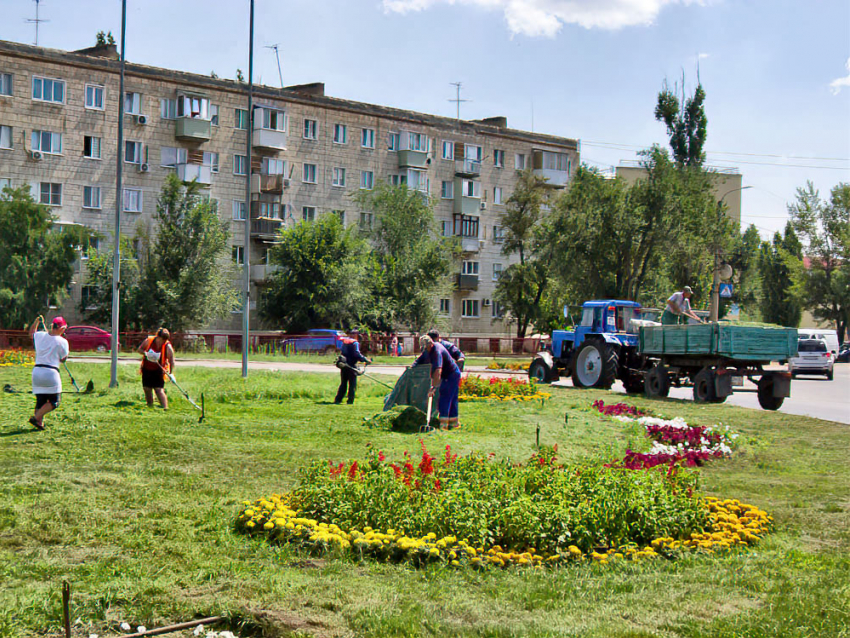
(765, 394)
(704, 386)
(595, 366)
(633, 383)
(657, 383)
(539, 371)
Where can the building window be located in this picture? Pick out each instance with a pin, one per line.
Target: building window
(446, 228)
(50, 194)
(133, 103)
(94, 97)
(466, 226)
(310, 173)
(214, 114)
(339, 177)
(417, 142)
(340, 134)
(132, 200)
(170, 156)
(498, 158)
(469, 308)
(133, 152)
(241, 119)
(392, 141)
(448, 150)
(445, 306)
(497, 271)
(47, 90)
(470, 188)
(211, 160)
(238, 255)
(311, 128)
(367, 139)
(418, 180)
(273, 166)
(366, 221)
(398, 180)
(308, 213)
(550, 161)
(473, 152)
(240, 211)
(5, 182)
(497, 195)
(447, 190)
(340, 215)
(469, 268)
(47, 142)
(168, 108)
(498, 310)
(5, 137)
(240, 165)
(274, 120)
(91, 147)
(519, 161)
(193, 107)
(367, 180)
(91, 197)
(498, 234)
(6, 84)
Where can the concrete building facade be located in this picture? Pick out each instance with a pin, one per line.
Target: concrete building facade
(58, 133)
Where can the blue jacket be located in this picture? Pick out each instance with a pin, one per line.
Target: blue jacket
(452, 349)
(351, 351)
(440, 359)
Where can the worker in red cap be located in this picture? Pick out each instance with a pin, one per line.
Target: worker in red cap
(51, 349)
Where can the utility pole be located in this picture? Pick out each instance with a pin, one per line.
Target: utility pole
(714, 305)
(37, 21)
(277, 57)
(457, 100)
(246, 250)
(119, 200)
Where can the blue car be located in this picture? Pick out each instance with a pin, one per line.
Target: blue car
(317, 340)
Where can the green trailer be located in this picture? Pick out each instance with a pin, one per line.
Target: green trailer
(710, 356)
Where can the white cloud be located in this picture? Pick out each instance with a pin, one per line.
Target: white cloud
(836, 85)
(702, 56)
(546, 17)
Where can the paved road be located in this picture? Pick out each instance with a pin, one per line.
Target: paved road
(810, 396)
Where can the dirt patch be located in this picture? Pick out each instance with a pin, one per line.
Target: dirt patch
(282, 624)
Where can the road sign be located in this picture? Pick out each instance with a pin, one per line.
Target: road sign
(726, 291)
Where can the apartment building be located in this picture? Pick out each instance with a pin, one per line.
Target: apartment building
(59, 128)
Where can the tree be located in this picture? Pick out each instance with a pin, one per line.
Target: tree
(521, 286)
(36, 258)
(96, 306)
(186, 276)
(104, 39)
(414, 261)
(823, 285)
(744, 259)
(323, 277)
(776, 263)
(686, 122)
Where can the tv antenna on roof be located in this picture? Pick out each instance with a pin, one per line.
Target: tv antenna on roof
(36, 21)
(457, 100)
(277, 56)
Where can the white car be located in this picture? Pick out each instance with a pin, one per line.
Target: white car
(813, 357)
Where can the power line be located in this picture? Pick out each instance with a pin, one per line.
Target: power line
(625, 146)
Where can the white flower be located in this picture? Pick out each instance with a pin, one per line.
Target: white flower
(198, 630)
(226, 634)
(624, 418)
(124, 626)
(141, 629)
(93, 636)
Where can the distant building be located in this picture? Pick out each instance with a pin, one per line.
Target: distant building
(58, 132)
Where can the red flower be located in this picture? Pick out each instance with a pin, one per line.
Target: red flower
(396, 470)
(381, 457)
(352, 471)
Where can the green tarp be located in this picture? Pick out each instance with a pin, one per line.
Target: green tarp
(412, 389)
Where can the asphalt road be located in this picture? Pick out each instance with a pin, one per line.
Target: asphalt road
(810, 396)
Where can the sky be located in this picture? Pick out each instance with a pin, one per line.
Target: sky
(776, 72)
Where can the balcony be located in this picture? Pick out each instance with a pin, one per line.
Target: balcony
(468, 167)
(194, 172)
(263, 183)
(262, 272)
(554, 178)
(269, 140)
(265, 229)
(470, 244)
(413, 159)
(467, 282)
(192, 129)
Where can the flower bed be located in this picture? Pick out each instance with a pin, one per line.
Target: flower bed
(501, 365)
(16, 358)
(473, 387)
(617, 409)
(479, 511)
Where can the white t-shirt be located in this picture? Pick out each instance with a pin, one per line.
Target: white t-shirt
(679, 299)
(49, 351)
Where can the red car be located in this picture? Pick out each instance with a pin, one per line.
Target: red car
(88, 338)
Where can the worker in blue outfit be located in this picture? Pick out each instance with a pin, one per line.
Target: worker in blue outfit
(350, 351)
(452, 349)
(444, 375)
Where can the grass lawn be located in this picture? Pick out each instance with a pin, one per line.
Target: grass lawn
(135, 508)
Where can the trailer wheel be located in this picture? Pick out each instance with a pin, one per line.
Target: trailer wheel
(657, 383)
(633, 383)
(539, 371)
(765, 394)
(704, 387)
(595, 366)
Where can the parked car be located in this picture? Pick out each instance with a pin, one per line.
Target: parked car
(81, 338)
(814, 358)
(830, 336)
(844, 354)
(316, 340)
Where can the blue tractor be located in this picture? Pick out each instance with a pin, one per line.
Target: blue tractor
(600, 349)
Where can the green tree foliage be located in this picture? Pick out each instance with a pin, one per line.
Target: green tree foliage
(104, 38)
(97, 307)
(186, 277)
(824, 229)
(414, 261)
(743, 256)
(323, 277)
(36, 258)
(522, 285)
(686, 122)
(776, 263)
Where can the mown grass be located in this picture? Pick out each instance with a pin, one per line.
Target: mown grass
(134, 507)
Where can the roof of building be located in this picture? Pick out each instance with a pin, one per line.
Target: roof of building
(308, 94)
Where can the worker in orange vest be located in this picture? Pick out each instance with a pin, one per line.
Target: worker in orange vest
(157, 363)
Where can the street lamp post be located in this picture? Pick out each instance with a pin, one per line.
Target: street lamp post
(714, 306)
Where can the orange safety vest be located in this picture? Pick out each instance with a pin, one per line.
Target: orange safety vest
(163, 358)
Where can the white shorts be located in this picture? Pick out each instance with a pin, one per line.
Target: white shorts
(46, 381)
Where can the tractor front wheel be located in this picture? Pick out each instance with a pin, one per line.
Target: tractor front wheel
(595, 366)
(539, 371)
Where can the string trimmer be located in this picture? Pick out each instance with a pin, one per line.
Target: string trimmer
(342, 364)
(185, 394)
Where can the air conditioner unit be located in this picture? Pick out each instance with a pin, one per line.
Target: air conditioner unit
(141, 120)
(483, 205)
(144, 167)
(36, 155)
(485, 303)
(286, 182)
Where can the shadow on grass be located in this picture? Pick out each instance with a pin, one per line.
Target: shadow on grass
(19, 431)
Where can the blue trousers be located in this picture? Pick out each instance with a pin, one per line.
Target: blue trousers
(448, 396)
